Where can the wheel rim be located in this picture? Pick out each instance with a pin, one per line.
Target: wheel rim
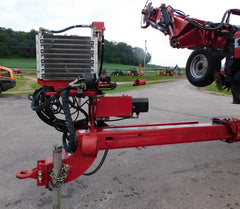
(199, 66)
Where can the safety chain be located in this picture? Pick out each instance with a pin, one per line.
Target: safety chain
(57, 182)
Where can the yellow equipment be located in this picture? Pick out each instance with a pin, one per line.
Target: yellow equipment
(140, 70)
(135, 71)
(7, 80)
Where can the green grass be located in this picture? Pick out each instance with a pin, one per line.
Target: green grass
(35, 86)
(112, 66)
(18, 63)
(128, 87)
(30, 63)
(27, 67)
(214, 88)
(132, 78)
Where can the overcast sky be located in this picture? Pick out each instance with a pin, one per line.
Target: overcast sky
(122, 20)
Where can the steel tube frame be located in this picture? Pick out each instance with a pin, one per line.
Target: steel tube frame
(158, 134)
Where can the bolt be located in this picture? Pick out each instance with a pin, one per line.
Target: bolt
(40, 177)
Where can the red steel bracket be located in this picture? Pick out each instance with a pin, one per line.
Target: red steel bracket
(78, 162)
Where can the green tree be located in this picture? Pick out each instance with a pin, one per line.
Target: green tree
(19, 43)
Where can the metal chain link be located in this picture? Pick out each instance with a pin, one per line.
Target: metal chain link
(57, 182)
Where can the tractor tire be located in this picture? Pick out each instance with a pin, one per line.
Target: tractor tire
(235, 88)
(202, 67)
(0, 89)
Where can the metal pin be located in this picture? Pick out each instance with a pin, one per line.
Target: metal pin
(57, 161)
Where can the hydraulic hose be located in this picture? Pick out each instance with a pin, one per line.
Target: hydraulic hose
(221, 24)
(65, 29)
(69, 133)
(99, 165)
(43, 106)
(102, 58)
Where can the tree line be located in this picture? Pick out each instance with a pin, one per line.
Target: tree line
(22, 44)
(14, 43)
(122, 53)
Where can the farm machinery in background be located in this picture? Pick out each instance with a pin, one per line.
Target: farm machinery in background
(72, 101)
(118, 72)
(132, 72)
(7, 80)
(210, 42)
(139, 82)
(169, 71)
(135, 71)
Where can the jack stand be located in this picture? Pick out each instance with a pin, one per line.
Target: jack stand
(57, 162)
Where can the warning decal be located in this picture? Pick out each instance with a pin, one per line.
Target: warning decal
(237, 42)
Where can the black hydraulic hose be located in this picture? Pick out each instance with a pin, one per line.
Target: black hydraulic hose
(68, 28)
(69, 133)
(35, 106)
(99, 165)
(41, 106)
(202, 27)
(83, 112)
(102, 58)
(99, 124)
(198, 25)
(166, 16)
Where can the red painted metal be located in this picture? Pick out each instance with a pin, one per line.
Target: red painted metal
(113, 106)
(106, 138)
(125, 137)
(77, 161)
(138, 82)
(183, 31)
(16, 70)
(98, 26)
(55, 84)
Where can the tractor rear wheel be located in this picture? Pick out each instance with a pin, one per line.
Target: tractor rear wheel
(202, 67)
(235, 88)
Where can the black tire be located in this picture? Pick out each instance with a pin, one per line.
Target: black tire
(0, 89)
(235, 88)
(202, 67)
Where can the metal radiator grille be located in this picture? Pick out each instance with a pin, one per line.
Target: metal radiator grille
(65, 57)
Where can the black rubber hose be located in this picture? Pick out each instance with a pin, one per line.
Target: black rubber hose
(99, 124)
(69, 133)
(99, 165)
(36, 106)
(198, 25)
(68, 28)
(83, 112)
(102, 58)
